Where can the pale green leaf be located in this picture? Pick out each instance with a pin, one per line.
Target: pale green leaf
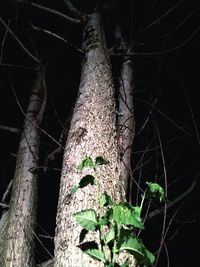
(135, 246)
(125, 264)
(96, 254)
(105, 200)
(87, 219)
(109, 236)
(120, 213)
(155, 191)
(135, 218)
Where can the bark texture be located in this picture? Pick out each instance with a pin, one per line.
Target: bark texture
(92, 133)
(17, 238)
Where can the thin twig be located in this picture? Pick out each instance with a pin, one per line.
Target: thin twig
(169, 50)
(178, 26)
(3, 41)
(56, 36)
(4, 205)
(165, 116)
(193, 117)
(7, 192)
(38, 239)
(72, 8)
(164, 237)
(165, 206)
(50, 10)
(46, 236)
(18, 67)
(176, 200)
(18, 41)
(18, 103)
(161, 17)
(10, 129)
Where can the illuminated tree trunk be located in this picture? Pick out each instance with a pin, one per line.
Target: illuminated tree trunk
(17, 237)
(92, 133)
(125, 121)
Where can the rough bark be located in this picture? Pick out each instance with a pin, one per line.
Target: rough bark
(92, 133)
(3, 225)
(18, 235)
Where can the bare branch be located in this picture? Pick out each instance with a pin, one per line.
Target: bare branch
(6, 192)
(46, 236)
(48, 263)
(72, 8)
(172, 203)
(38, 239)
(162, 16)
(34, 122)
(18, 41)
(10, 129)
(162, 240)
(3, 41)
(4, 205)
(193, 117)
(56, 36)
(50, 10)
(18, 66)
(178, 26)
(169, 50)
(165, 116)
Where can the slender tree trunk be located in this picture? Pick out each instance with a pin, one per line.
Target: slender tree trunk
(92, 133)
(17, 238)
(125, 122)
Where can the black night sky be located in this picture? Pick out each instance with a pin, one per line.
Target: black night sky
(166, 41)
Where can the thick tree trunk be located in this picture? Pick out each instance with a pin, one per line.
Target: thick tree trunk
(92, 133)
(17, 239)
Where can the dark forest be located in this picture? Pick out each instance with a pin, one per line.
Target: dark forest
(163, 39)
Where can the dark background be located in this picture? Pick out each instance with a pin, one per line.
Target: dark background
(166, 68)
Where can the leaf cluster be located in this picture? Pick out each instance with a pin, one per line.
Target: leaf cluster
(121, 221)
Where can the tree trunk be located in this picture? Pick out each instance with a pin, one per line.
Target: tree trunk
(125, 122)
(17, 239)
(92, 133)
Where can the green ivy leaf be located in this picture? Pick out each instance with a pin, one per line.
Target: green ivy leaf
(155, 191)
(87, 219)
(125, 264)
(135, 246)
(135, 218)
(96, 254)
(121, 213)
(103, 221)
(124, 213)
(109, 265)
(109, 236)
(87, 162)
(101, 161)
(105, 200)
